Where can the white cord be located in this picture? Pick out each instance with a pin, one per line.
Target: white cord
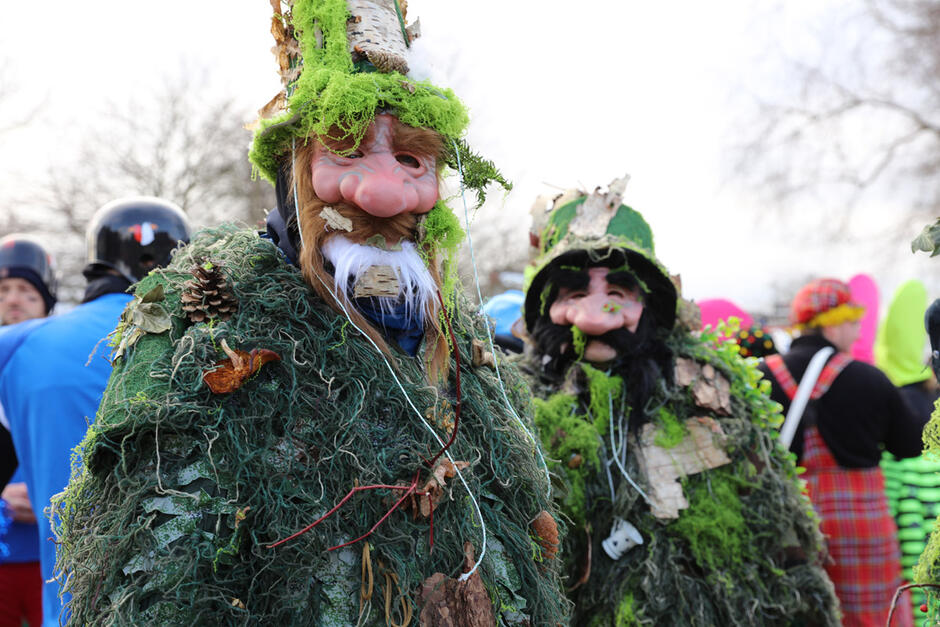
(489, 336)
(623, 471)
(476, 506)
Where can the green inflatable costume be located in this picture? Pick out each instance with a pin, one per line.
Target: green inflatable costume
(682, 508)
(912, 485)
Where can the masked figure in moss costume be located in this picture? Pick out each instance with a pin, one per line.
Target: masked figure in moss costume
(303, 429)
(682, 509)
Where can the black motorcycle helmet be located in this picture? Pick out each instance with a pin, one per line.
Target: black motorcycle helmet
(135, 235)
(23, 258)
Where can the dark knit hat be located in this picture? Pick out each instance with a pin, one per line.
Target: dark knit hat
(23, 258)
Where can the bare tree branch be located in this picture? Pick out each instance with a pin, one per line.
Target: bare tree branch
(861, 120)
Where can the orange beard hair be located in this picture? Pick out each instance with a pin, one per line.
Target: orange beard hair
(315, 233)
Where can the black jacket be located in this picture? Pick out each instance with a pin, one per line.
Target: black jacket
(861, 414)
(8, 460)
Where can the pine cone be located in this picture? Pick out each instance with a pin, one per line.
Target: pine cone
(207, 296)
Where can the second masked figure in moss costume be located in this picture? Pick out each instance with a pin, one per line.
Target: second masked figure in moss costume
(303, 429)
(682, 509)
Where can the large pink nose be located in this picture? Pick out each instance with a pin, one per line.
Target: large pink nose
(592, 315)
(381, 189)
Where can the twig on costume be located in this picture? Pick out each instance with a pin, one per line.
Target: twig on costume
(409, 489)
(900, 591)
(586, 572)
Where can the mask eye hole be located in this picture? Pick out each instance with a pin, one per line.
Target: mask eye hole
(409, 161)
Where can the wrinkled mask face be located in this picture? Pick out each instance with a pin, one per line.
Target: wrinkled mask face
(390, 173)
(597, 301)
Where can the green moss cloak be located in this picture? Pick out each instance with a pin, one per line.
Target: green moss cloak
(180, 490)
(746, 551)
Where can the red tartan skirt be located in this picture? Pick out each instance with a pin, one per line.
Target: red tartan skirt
(860, 533)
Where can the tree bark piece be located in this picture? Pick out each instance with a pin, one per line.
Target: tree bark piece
(700, 450)
(448, 602)
(374, 32)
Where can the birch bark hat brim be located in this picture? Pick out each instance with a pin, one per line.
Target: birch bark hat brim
(341, 61)
(583, 230)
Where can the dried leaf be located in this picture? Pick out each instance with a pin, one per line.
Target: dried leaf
(481, 356)
(129, 336)
(229, 374)
(274, 107)
(151, 317)
(154, 295)
(423, 504)
(928, 240)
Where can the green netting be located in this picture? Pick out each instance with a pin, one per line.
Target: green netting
(747, 551)
(181, 489)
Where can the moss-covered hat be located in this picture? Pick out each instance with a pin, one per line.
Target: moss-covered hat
(341, 61)
(595, 229)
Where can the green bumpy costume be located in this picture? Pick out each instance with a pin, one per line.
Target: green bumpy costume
(927, 569)
(745, 549)
(182, 490)
(912, 485)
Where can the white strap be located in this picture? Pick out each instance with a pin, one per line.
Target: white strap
(798, 404)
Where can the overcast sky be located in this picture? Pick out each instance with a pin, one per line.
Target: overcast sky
(561, 94)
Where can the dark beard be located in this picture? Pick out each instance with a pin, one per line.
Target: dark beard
(643, 359)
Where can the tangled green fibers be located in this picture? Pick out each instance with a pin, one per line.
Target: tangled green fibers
(747, 551)
(181, 490)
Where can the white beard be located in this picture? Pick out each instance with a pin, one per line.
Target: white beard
(417, 289)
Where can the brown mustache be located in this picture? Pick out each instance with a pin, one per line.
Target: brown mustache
(395, 229)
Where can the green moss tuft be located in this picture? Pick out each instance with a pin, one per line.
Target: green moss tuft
(673, 430)
(714, 525)
(602, 387)
(443, 235)
(579, 341)
(475, 171)
(565, 433)
(626, 614)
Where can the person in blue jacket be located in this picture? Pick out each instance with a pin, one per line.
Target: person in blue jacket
(27, 292)
(53, 371)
